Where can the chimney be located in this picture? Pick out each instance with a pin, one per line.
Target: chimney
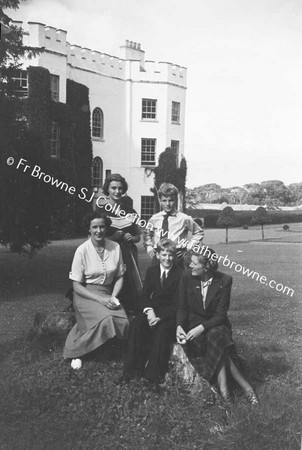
(132, 51)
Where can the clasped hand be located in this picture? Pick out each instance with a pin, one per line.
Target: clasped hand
(113, 303)
(128, 237)
(152, 319)
(151, 252)
(182, 337)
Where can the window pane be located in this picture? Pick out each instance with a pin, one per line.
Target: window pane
(55, 87)
(175, 116)
(175, 148)
(148, 108)
(148, 152)
(55, 140)
(20, 83)
(147, 206)
(97, 123)
(97, 172)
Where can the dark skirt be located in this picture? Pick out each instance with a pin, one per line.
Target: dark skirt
(132, 285)
(95, 323)
(214, 347)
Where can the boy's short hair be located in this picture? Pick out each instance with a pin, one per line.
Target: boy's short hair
(167, 189)
(166, 244)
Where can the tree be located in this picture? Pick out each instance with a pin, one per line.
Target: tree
(168, 172)
(277, 194)
(296, 193)
(227, 218)
(11, 48)
(261, 217)
(32, 211)
(17, 194)
(255, 194)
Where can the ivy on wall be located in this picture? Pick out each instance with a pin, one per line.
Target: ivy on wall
(32, 211)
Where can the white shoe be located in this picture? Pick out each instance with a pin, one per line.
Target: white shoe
(76, 363)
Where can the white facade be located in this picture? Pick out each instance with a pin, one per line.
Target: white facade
(118, 86)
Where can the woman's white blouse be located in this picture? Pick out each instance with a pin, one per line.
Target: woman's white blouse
(88, 267)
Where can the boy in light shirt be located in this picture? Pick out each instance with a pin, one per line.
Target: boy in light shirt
(172, 224)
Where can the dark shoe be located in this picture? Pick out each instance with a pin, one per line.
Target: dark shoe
(251, 397)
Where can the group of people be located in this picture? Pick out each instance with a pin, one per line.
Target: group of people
(174, 303)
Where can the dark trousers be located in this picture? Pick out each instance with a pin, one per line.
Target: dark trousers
(149, 348)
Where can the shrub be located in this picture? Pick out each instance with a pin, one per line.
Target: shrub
(285, 227)
(245, 227)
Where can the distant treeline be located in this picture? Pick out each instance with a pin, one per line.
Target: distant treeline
(269, 193)
(210, 217)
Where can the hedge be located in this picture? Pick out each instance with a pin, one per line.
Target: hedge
(210, 216)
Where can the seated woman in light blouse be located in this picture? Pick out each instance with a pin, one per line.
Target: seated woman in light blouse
(97, 274)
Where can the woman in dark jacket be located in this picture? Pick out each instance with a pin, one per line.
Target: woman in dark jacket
(203, 324)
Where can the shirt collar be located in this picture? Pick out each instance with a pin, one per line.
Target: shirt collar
(207, 283)
(163, 213)
(163, 269)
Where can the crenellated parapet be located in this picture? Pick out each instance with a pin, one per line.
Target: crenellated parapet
(132, 67)
(86, 59)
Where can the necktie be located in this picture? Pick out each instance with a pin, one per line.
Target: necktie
(163, 279)
(165, 225)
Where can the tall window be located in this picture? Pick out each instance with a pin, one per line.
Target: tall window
(20, 83)
(107, 172)
(148, 108)
(97, 123)
(175, 115)
(55, 140)
(55, 87)
(175, 148)
(97, 172)
(147, 206)
(148, 152)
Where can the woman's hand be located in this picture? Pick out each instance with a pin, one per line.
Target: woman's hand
(151, 252)
(195, 332)
(113, 303)
(128, 237)
(181, 336)
(152, 319)
(154, 322)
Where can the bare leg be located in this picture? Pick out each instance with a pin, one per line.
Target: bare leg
(239, 378)
(248, 390)
(222, 382)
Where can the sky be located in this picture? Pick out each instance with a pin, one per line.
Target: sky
(244, 96)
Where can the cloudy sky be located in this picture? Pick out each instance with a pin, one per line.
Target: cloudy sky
(244, 97)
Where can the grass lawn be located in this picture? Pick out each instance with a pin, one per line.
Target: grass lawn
(45, 405)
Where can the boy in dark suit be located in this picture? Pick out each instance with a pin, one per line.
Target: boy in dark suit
(153, 330)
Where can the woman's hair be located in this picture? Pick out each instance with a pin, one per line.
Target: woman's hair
(166, 244)
(96, 215)
(115, 177)
(206, 256)
(167, 189)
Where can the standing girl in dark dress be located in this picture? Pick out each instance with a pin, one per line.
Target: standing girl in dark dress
(126, 234)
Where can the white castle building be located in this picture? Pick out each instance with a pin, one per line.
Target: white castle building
(137, 106)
